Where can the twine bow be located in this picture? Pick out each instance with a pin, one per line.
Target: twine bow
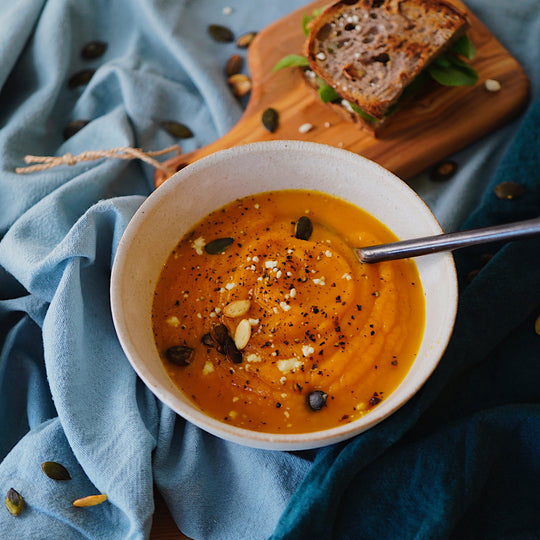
(48, 162)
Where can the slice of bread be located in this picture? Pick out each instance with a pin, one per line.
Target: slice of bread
(369, 51)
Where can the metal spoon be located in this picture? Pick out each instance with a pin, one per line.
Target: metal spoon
(449, 241)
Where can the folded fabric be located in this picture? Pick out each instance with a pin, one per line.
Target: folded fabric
(67, 391)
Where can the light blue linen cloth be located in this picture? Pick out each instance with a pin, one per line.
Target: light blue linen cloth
(67, 392)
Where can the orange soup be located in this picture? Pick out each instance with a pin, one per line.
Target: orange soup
(264, 317)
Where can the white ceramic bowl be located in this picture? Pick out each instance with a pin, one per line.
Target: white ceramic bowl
(215, 180)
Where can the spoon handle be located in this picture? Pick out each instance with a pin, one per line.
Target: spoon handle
(449, 241)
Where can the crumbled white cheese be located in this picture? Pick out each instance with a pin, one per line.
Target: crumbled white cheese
(198, 245)
(173, 321)
(233, 414)
(284, 306)
(230, 286)
(321, 56)
(254, 322)
(288, 365)
(328, 253)
(253, 357)
(208, 368)
(283, 380)
(227, 10)
(255, 259)
(346, 276)
(292, 292)
(270, 264)
(320, 281)
(307, 350)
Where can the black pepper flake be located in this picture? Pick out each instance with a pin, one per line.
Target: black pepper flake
(278, 405)
(374, 399)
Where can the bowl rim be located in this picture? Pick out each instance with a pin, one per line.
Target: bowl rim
(265, 440)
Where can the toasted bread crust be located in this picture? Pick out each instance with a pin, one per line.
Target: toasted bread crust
(370, 50)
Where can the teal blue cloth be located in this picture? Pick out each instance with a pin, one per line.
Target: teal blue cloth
(459, 461)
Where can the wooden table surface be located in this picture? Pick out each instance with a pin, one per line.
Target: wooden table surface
(163, 526)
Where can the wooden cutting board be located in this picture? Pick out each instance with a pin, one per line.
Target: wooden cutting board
(423, 132)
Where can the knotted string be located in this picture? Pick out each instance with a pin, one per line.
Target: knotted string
(48, 162)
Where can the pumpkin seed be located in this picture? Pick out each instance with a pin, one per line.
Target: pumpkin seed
(93, 49)
(54, 470)
(509, 190)
(240, 84)
(220, 335)
(242, 334)
(270, 119)
(220, 33)
(207, 340)
(14, 502)
(245, 40)
(234, 65)
(316, 400)
(179, 355)
(217, 246)
(231, 350)
(81, 78)
(443, 170)
(73, 127)
(237, 308)
(90, 500)
(176, 129)
(303, 228)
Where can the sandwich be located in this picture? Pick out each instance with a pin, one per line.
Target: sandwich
(365, 57)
